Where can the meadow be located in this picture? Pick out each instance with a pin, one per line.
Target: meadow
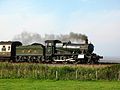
(33, 84)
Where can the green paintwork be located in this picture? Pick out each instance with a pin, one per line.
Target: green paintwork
(29, 50)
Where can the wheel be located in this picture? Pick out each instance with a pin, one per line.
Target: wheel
(90, 61)
(18, 59)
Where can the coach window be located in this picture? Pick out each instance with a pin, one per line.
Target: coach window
(8, 48)
(3, 48)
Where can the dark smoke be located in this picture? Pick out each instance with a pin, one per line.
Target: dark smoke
(28, 38)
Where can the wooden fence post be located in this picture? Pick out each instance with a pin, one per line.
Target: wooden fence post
(18, 73)
(118, 75)
(1, 74)
(32, 73)
(76, 74)
(96, 74)
(56, 74)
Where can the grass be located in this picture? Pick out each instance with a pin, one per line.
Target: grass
(32, 84)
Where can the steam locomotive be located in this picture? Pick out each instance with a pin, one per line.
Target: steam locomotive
(54, 51)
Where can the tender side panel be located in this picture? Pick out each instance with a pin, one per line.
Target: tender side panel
(29, 50)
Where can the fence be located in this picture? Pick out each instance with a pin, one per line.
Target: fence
(38, 71)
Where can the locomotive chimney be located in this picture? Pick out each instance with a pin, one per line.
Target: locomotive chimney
(86, 41)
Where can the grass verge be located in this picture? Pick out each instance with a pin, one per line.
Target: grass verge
(33, 84)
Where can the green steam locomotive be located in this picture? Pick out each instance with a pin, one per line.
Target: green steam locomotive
(54, 51)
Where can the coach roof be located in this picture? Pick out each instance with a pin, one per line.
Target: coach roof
(10, 42)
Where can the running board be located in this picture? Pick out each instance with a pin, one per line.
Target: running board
(70, 59)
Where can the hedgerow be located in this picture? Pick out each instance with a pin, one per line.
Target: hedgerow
(43, 71)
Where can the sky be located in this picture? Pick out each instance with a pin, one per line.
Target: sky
(98, 19)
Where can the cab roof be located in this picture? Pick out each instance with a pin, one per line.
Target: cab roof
(52, 41)
(10, 42)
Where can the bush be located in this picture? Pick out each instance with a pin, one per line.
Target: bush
(42, 71)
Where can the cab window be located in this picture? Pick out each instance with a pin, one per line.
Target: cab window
(3, 48)
(8, 48)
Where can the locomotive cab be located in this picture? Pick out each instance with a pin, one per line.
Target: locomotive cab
(51, 46)
(50, 49)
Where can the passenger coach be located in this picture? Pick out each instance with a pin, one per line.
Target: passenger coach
(8, 50)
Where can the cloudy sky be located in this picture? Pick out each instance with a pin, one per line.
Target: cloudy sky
(98, 19)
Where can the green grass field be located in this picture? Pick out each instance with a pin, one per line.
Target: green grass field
(32, 84)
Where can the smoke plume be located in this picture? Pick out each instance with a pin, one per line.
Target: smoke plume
(28, 38)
